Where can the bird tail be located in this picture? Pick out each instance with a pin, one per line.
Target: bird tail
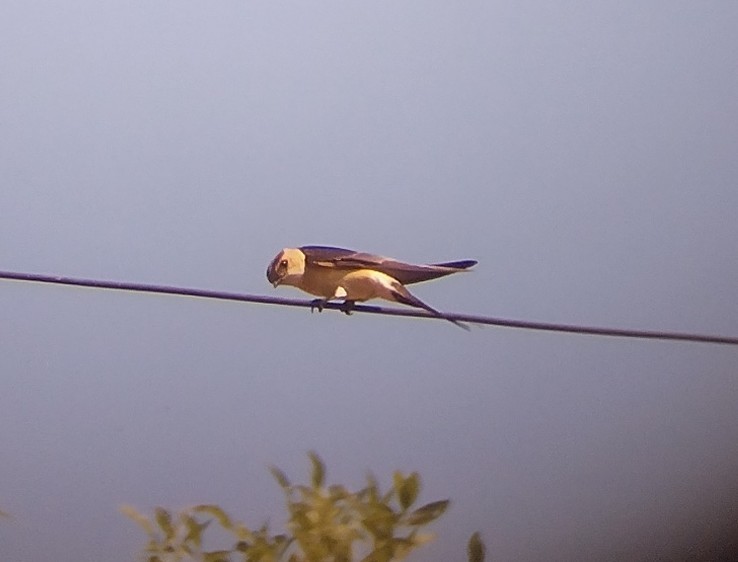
(461, 264)
(402, 295)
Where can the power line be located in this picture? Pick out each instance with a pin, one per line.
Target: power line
(412, 313)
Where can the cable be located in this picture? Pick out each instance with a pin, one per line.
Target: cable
(472, 319)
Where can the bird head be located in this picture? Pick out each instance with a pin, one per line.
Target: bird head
(286, 268)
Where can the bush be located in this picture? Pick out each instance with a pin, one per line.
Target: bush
(326, 524)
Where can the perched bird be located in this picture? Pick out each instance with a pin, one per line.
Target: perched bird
(336, 273)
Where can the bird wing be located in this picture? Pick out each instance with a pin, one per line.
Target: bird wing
(405, 273)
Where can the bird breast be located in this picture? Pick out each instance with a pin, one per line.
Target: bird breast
(366, 284)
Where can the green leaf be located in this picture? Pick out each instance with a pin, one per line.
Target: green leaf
(338, 493)
(217, 512)
(427, 513)
(380, 554)
(280, 477)
(379, 520)
(242, 532)
(164, 520)
(475, 549)
(139, 518)
(372, 488)
(408, 490)
(318, 474)
(194, 530)
(397, 480)
(217, 556)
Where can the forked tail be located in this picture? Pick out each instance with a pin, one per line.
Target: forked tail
(402, 295)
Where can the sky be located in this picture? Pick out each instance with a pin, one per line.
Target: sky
(584, 153)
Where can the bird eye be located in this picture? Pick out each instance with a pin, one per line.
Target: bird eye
(283, 264)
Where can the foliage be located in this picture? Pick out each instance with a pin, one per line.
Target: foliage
(475, 548)
(326, 524)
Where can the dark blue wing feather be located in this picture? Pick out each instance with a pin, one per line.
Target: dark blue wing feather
(405, 273)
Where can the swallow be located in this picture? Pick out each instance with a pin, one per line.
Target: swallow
(337, 273)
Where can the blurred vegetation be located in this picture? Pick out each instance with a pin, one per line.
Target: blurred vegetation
(326, 524)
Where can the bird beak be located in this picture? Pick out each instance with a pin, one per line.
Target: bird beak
(272, 276)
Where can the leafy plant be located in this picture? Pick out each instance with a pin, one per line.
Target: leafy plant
(326, 524)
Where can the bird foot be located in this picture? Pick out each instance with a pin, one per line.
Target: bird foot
(317, 303)
(347, 307)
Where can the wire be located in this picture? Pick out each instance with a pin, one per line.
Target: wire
(472, 319)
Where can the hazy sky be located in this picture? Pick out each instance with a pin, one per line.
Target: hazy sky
(584, 153)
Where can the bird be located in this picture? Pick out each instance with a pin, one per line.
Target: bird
(332, 273)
